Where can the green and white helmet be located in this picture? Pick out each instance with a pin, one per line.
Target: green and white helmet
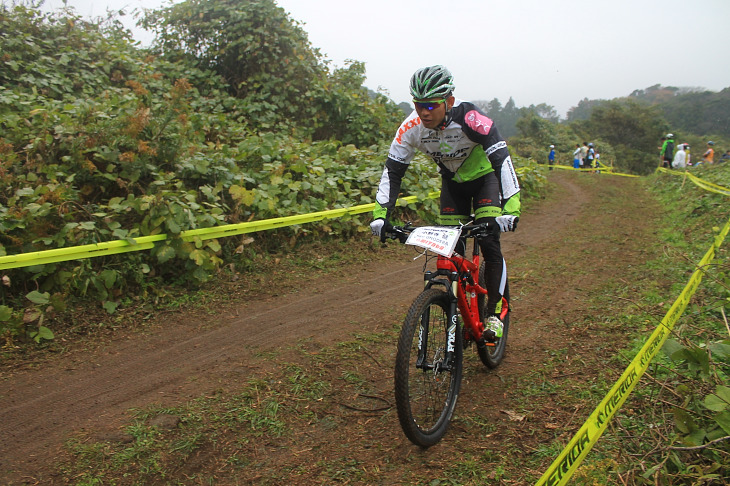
(432, 82)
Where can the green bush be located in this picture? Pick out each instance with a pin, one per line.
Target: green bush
(116, 142)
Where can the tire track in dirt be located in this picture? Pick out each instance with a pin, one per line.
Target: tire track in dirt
(41, 407)
(185, 359)
(553, 309)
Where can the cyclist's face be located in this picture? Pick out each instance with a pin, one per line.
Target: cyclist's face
(433, 111)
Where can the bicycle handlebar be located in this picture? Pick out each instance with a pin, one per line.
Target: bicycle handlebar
(401, 233)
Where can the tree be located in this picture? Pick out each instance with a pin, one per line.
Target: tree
(351, 113)
(263, 55)
(61, 54)
(632, 128)
(405, 107)
(544, 111)
(655, 94)
(539, 129)
(689, 109)
(702, 113)
(583, 110)
(266, 58)
(504, 118)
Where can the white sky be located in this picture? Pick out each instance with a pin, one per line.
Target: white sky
(536, 51)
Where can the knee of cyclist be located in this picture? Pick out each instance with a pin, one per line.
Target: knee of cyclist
(494, 228)
(492, 255)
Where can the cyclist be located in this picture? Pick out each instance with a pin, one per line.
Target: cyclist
(477, 175)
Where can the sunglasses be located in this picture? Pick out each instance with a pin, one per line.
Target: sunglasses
(428, 105)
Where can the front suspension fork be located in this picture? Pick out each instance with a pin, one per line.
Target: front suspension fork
(439, 362)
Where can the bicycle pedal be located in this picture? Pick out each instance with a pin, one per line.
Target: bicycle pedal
(489, 336)
(484, 344)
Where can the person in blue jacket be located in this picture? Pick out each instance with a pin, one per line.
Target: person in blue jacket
(551, 156)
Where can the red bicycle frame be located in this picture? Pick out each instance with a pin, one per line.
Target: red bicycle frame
(466, 288)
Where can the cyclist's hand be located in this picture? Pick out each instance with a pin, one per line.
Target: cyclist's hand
(377, 226)
(507, 222)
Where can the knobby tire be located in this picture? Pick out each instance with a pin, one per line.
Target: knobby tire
(426, 398)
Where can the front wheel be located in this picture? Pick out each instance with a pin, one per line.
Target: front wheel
(428, 368)
(491, 356)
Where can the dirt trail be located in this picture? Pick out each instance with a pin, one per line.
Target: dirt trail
(192, 355)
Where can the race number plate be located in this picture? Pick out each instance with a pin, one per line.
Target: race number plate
(439, 239)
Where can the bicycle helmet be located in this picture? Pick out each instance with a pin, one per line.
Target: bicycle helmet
(432, 82)
(710, 143)
(670, 135)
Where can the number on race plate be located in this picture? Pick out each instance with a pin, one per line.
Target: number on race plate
(439, 239)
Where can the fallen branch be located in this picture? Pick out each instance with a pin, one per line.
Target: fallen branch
(703, 446)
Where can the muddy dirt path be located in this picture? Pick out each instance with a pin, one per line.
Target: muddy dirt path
(192, 355)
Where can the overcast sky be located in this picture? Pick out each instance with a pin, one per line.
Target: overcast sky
(535, 51)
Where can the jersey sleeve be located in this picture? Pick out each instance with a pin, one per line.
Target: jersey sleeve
(400, 154)
(481, 129)
(389, 188)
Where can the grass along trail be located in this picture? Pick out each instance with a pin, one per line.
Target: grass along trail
(296, 387)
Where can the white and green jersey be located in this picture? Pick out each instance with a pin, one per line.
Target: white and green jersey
(467, 147)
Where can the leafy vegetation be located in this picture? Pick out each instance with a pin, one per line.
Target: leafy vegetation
(695, 110)
(672, 430)
(683, 435)
(690, 110)
(102, 140)
(626, 133)
(279, 81)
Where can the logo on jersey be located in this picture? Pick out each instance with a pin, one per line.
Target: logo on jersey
(405, 127)
(495, 147)
(510, 186)
(478, 122)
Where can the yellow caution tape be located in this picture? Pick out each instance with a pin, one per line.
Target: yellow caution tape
(604, 169)
(79, 252)
(568, 461)
(708, 186)
(148, 242)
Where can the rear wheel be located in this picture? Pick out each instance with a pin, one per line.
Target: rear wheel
(491, 356)
(426, 382)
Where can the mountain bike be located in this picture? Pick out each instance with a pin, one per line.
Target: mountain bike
(444, 319)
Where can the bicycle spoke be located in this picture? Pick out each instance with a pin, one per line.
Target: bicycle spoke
(426, 390)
